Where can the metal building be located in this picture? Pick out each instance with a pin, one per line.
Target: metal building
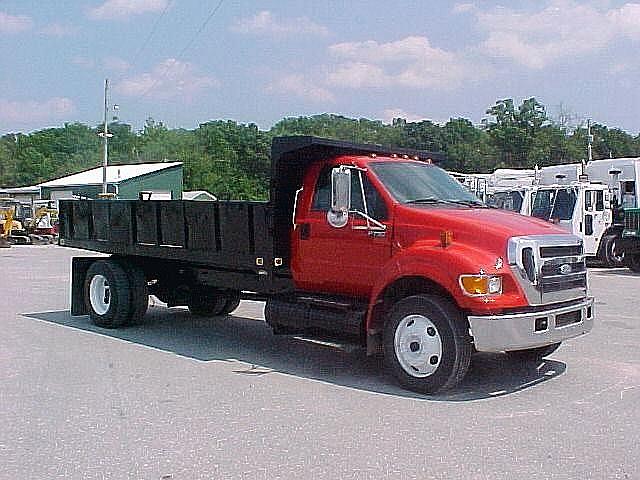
(157, 180)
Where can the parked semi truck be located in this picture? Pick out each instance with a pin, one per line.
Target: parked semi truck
(374, 245)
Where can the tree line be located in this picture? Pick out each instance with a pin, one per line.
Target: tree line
(231, 159)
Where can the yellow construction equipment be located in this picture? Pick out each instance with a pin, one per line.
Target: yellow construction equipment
(11, 228)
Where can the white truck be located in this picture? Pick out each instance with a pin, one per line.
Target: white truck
(622, 174)
(584, 209)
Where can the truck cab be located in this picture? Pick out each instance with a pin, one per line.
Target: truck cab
(584, 209)
(371, 244)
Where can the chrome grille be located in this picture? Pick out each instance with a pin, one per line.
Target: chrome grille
(549, 268)
(562, 268)
(632, 220)
(560, 251)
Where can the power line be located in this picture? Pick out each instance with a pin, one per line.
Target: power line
(186, 47)
(151, 33)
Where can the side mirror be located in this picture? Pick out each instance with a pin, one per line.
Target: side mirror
(338, 215)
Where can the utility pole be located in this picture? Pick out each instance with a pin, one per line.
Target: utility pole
(105, 136)
(589, 140)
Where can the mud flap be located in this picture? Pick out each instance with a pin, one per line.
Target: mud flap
(79, 267)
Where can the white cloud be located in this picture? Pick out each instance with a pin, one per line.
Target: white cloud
(463, 8)
(266, 23)
(169, 79)
(410, 62)
(561, 29)
(20, 113)
(120, 9)
(14, 23)
(115, 64)
(302, 87)
(58, 30)
(626, 19)
(84, 62)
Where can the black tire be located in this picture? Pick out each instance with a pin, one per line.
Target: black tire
(205, 302)
(451, 331)
(138, 291)
(233, 301)
(533, 354)
(634, 263)
(117, 299)
(612, 258)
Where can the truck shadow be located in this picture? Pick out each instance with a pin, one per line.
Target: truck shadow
(251, 342)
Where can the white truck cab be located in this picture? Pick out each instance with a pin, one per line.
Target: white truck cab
(584, 209)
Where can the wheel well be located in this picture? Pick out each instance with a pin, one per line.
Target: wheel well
(402, 288)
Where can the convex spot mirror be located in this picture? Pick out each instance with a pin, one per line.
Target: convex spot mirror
(338, 215)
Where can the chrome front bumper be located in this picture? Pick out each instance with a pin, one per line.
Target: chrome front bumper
(498, 333)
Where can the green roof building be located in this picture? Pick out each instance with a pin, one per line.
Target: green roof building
(162, 181)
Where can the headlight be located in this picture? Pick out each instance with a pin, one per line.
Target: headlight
(481, 284)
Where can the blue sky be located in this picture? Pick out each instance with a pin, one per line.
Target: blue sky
(259, 61)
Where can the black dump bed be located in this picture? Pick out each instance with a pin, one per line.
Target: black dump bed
(230, 234)
(233, 235)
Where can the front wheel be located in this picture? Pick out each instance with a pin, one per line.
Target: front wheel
(426, 344)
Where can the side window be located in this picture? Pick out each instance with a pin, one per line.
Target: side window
(322, 195)
(599, 200)
(628, 194)
(588, 205)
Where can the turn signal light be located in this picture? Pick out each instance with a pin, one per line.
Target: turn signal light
(481, 284)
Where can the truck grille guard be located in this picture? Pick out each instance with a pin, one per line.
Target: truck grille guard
(549, 268)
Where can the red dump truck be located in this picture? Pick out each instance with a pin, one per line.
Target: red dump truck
(374, 245)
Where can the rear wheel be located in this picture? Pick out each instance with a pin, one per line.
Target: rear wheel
(426, 344)
(233, 301)
(107, 294)
(139, 293)
(533, 354)
(206, 302)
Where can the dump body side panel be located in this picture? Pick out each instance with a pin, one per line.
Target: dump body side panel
(235, 238)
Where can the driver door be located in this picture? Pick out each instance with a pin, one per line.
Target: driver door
(346, 260)
(594, 221)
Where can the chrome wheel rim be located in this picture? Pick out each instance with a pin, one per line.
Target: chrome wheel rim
(418, 346)
(99, 294)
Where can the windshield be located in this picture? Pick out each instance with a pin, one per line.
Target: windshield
(413, 182)
(554, 204)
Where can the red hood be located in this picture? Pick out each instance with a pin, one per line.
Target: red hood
(485, 228)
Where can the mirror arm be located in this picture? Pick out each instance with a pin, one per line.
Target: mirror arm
(364, 199)
(375, 222)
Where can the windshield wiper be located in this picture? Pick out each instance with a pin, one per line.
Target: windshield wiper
(468, 203)
(427, 200)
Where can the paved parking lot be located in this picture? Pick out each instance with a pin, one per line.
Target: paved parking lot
(188, 398)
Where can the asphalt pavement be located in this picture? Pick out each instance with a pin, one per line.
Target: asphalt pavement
(193, 398)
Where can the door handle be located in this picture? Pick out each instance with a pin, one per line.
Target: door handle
(305, 231)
